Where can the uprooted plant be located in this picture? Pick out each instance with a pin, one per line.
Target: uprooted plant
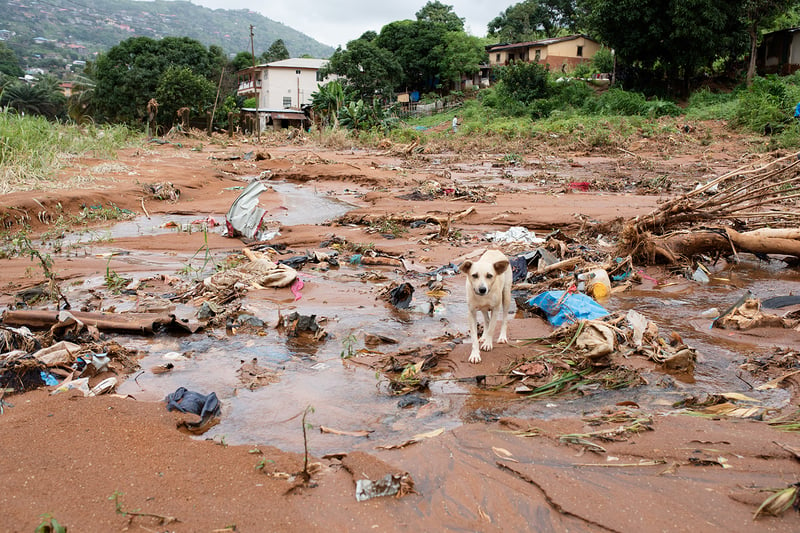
(751, 209)
(23, 246)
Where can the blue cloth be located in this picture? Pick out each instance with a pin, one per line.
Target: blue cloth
(48, 378)
(187, 401)
(573, 308)
(797, 111)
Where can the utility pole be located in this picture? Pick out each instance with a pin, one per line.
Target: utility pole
(253, 78)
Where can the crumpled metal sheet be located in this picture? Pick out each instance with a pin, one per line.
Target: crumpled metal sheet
(245, 216)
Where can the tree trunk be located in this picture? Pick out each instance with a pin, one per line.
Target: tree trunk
(777, 241)
(751, 67)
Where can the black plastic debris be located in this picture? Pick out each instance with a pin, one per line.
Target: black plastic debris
(779, 302)
(296, 324)
(411, 401)
(401, 296)
(295, 262)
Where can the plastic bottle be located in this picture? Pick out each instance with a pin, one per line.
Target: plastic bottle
(597, 283)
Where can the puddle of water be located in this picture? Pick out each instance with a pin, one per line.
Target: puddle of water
(304, 205)
(143, 226)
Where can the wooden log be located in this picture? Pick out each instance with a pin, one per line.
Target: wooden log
(726, 241)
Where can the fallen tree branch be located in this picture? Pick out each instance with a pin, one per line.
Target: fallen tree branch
(760, 198)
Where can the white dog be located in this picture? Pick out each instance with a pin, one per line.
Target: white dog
(488, 291)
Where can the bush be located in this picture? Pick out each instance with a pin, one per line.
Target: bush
(524, 82)
(603, 60)
(767, 106)
(621, 102)
(572, 93)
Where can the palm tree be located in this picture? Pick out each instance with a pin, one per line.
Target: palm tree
(79, 103)
(44, 98)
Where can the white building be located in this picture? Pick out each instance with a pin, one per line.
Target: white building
(283, 87)
(285, 84)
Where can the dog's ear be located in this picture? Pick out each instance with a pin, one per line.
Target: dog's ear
(500, 266)
(465, 266)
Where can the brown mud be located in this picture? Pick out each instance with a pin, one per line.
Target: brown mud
(502, 463)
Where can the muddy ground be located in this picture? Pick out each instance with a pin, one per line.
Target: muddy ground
(486, 458)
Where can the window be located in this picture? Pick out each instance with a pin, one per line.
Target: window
(580, 51)
(319, 76)
(287, 102)
(497, 58)
(538, 55)
(297, 72)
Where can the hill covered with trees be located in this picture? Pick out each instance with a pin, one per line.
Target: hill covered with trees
(50, 33)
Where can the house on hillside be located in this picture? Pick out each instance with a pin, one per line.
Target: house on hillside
(559, 53)
(283, 88)
(779, 52)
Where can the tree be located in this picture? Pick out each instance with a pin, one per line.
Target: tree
(43, 98)
(462, 54)
(677, 36)
(438, 13)
(180, 87)
(368, 69)
(79, 103)
(9, 64)
(242, 61)
(757, 14)
(128, 75)
(276, 52)
(534, 19)
(523, 82)
(417, 48)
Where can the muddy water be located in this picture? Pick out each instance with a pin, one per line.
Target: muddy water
(351, 397)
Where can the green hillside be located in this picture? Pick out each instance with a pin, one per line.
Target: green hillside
(45, 33)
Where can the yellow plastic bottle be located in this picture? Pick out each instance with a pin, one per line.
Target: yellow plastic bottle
(597, 283)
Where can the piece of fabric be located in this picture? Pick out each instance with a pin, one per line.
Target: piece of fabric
(187, 401)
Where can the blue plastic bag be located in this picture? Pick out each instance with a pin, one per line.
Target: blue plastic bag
(573, 307)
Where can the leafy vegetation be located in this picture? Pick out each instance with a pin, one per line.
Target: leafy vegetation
(42, 98)
(134, 71)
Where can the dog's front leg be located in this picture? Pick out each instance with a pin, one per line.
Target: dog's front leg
(490, 321)
(503, 338)
(475, 354)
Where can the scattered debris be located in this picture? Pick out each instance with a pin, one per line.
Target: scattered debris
(332, 431)
(297, 324)
(516, 234)
(781, 500)
(748, 314)
(163, 191)
(390, 485)
(253, 376)
(413, 440)
(259, 273)
(756, 197)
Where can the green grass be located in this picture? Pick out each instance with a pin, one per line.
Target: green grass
(32, 149)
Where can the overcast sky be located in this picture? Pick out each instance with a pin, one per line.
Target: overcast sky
(336, 22)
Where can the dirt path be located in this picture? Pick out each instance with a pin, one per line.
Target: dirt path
(113, 463)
